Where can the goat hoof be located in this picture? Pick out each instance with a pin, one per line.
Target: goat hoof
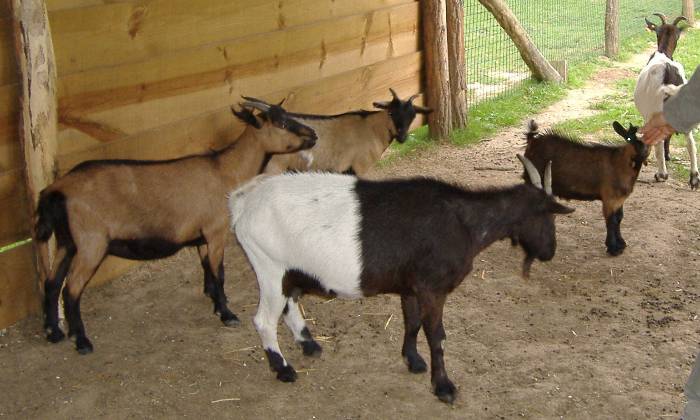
(83, 345)
(694, 181)
(416, 364)
(230, 319)
(659, 177)
(287, 374)
(615, 251)
(311, 348)
(55, 335)
(446, 391)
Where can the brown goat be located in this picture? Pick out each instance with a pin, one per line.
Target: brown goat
(352, 142)
(587, 171)
(151, 209)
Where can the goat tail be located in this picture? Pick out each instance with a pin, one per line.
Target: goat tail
(532, 130)
(237, 198)
(51, 212)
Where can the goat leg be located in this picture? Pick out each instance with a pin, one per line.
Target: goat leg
(412, 323)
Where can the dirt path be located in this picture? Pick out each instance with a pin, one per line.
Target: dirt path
(588, 336)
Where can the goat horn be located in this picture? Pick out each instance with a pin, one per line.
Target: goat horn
(678, 19)
(531, 171)
(251, 99)
(257, 105)
(661, 16)
(412, 97)
(548, 178)
(394, 94)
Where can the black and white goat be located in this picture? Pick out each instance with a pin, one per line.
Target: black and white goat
(337, 235)
(659, 79)
(145, 210)
(352, 142)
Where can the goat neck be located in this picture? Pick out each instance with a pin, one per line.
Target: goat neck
(383, 127)
(243, 159)
(500, 212)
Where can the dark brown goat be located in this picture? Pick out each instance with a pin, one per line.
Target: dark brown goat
(151, 209)
(587, 171)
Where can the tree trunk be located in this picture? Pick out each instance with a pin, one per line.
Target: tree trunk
(539, 66)
(612, 28)
(38, 118)
(457, 63)
(689, 11)
(437, 83)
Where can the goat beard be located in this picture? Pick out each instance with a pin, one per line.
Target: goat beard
(527, 263)
(308, 158)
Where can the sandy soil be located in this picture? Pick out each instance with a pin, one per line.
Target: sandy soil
(588, 336)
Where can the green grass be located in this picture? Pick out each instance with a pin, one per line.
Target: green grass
(14, 245)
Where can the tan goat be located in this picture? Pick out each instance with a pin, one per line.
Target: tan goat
(151, 209)
(352, 142)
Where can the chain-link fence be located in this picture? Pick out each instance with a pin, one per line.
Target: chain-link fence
(571, 30)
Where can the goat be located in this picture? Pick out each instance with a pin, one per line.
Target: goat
(338, 235)
(659, 79)
(151, 209)
(352, 142)
(587, 171)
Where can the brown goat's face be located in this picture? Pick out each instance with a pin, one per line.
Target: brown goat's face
(667, 34)
(284, 134)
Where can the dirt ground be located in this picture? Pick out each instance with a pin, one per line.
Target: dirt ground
(587, 336)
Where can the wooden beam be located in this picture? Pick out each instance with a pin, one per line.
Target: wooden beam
(689, 11)
(612, 28)
(38, 116)
(538, 65)
(437, 75)
(458, 65)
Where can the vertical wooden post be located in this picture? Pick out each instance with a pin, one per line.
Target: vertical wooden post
(612, 28)
(689, 11)
(38, 118)
(535, 61)
(457, 63)
(437, 83)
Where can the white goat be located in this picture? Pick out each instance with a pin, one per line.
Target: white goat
(659, 79)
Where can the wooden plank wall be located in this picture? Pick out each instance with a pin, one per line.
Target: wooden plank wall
(154, 79)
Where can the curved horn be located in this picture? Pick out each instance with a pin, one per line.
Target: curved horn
(548, 178)
(394, 94)
(251, 99)
(257, 105)
(412, 97)
(661, 16)
(678, 19)
(531, 171)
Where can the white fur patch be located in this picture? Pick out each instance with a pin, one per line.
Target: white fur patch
(308, 222)
(649, 93)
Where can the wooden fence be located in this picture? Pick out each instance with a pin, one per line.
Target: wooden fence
(154, 79)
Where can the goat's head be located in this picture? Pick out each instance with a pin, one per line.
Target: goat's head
(402, 114)
(536, 233)
(641, 150)
(667, 34)
(280, 133)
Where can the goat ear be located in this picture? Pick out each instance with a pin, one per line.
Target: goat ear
(558, 208)
(247, 117)
(619, 129)
(381, 105)
(650, 26)
(422, 110)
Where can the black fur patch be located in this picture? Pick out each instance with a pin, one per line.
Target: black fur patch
(148, 248)
(672, 76)
(53, 217)
(296, 281)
